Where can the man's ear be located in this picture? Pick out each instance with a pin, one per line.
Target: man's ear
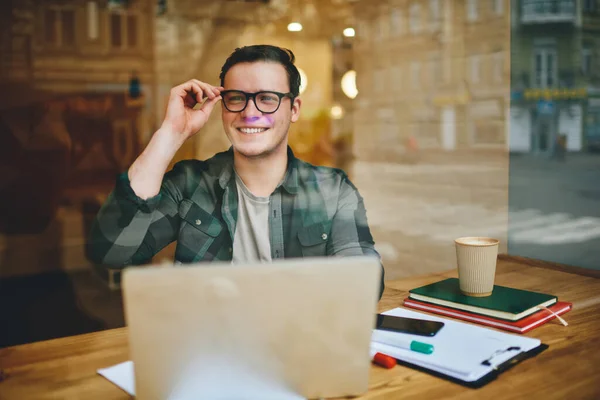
(296, 109)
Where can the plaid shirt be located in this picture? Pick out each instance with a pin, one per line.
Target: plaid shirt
(315, 211)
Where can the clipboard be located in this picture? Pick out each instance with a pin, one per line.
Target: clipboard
(466, 354)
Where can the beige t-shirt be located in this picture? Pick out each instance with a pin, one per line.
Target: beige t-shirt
(251, 239)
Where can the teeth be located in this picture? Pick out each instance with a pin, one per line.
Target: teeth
(253, 130)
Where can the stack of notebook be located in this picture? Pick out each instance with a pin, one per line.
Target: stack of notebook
(506, 308)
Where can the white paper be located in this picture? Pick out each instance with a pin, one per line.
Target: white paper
(459, 348)
(121, 375)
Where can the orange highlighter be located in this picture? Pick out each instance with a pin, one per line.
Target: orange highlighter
(383, 360)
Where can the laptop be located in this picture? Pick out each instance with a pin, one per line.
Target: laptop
(291, 329)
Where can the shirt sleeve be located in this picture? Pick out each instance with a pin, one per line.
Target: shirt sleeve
(350, 233)
(129, 230)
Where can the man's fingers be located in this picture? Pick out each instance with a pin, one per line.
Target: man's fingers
(208, 106)
(209, 90)
(190, 87)
(198, 92)
(200, 116)
(182, 90)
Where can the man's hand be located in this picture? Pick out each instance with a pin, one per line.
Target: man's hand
(181, 122)
(181, 117)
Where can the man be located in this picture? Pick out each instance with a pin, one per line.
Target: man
(255, 201)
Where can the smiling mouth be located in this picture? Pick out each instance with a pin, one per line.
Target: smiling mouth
(252, 130)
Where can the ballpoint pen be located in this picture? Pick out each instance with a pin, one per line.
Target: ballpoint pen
(397, 340)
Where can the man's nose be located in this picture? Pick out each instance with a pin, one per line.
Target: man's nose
(251, 110)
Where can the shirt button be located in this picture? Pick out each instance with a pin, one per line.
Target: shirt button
(324, 236)
(198, 222)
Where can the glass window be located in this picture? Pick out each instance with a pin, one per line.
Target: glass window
(447, 63)
(550, 69)
(414, 18)
(434, 10)
(435, 71)
(132, 31)
(497, 66)
(59, 27)
(545, 71)
(498, 6)
(472, 12)
(116, 31)
(589, 5)
(396, 77)
(92, 16)
(415, 74)
(68, 27)
(384, 26)
(378, 83)
(50, 24)
(378, 28)
(475, 68)
(538, 70)
(586, 61)
(554, 197)
(396, 23)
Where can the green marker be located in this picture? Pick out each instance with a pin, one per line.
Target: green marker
(400, 342)
(421, 347)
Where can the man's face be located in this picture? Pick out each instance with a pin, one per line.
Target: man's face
(251, 132)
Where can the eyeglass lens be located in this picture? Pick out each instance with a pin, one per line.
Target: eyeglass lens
(265, 101)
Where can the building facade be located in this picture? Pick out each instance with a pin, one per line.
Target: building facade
(74, 46)
(77, 80)
(81, 57)
(555, 75)
(431, 75)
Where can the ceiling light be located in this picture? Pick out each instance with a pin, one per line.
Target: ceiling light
(349, 32)
(349, 84)
(336, 112)
(295, 27)
(303, 80)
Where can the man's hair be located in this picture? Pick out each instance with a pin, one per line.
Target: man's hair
(267, 53)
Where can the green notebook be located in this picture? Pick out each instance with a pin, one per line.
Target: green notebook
(504, 302)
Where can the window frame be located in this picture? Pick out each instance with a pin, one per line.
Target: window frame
(414, 18)
(59, 29)
(542, 81)
(124, 18)
(472, 9)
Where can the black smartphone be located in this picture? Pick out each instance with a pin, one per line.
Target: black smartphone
(408, 325)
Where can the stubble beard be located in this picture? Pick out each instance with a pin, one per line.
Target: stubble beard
(270, 150)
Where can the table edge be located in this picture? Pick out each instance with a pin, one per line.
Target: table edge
(534, 262)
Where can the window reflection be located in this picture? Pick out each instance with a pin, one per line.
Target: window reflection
(469, 117)
(554, 133)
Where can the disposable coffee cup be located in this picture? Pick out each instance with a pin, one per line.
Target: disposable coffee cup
(476, 259)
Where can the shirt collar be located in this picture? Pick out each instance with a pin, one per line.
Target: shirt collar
(290, 181)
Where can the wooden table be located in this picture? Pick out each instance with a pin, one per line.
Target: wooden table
(66, 368)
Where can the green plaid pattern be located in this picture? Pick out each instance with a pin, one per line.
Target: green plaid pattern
(315, 211)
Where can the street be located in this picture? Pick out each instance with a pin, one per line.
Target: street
(548, 209)
(563, 199)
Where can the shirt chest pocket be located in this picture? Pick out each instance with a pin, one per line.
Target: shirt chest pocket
(198, 231)
(313, 239)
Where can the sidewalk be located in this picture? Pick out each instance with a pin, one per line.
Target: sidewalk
(573, 161)
(416, 210)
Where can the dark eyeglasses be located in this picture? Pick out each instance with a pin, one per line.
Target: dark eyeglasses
(265, 102)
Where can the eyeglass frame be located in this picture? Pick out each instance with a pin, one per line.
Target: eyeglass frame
(253, 97)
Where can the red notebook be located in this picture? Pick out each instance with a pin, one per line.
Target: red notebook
(521, 326)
